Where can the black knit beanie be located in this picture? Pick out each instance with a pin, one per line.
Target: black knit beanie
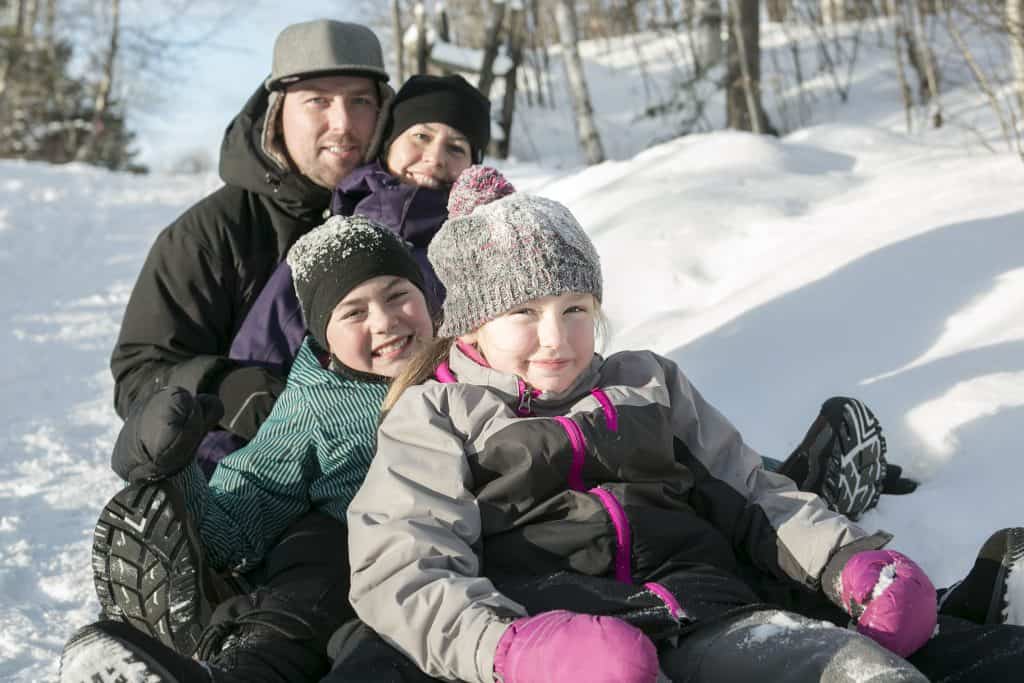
(331, 260)
(441, 99)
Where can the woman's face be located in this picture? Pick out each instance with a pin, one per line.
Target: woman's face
(379, 325)
(429, 155)
(548, 342)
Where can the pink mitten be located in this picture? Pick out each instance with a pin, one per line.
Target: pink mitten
(891, 598)
(565, 646)
(475, 186)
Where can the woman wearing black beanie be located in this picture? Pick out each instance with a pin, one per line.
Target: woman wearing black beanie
(434, 128)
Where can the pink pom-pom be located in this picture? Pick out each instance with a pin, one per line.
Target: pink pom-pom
(475, 186)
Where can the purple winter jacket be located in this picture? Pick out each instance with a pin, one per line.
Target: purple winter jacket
(414, 213)
(273, 328)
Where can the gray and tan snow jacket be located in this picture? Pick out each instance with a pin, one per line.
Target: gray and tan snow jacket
(629, 477)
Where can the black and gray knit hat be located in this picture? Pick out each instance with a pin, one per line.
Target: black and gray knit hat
(515, 249)
(331, 260)
(441, 99)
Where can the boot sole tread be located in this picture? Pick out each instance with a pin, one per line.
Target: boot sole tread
(144, 568)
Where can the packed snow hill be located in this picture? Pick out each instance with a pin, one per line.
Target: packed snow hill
(845, 258)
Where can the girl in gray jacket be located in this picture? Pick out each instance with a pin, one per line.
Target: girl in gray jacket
(537, 512)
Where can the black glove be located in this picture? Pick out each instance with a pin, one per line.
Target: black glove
(895, 484)
(248, 395)
(161, 434)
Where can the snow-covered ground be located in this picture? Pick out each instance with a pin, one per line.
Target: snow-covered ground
(845, 258)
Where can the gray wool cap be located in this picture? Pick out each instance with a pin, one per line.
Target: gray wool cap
(505, 253)
(323, 47)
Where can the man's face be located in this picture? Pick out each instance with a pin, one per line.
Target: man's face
(328, 123)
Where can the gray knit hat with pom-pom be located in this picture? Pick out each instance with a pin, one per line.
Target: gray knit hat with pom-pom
(504, 253)
(331, 260)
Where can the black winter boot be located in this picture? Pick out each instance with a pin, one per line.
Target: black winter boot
(114, 652)
(842, 457)
(993, 591)
(148, 565)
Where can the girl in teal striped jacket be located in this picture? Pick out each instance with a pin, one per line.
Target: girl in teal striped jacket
(362, 297)
(245, 578)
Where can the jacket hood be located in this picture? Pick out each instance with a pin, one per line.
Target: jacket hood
(467, 370)
(415, 213)
(244, 163)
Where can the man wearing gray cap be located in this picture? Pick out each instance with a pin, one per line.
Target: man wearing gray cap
(191, 322)
(303, 130)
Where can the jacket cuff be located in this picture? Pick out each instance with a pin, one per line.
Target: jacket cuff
(831, 576)
(486, 647)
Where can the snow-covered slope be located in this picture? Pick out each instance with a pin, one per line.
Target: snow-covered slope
(846, 258)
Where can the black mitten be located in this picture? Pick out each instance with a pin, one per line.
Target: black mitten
(161, 434)
(248, 395)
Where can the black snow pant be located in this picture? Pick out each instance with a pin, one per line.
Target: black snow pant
(765, 645)
(276, 625)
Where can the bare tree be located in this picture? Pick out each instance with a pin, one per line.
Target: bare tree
(1015, 29)
(492, 39)
(743, 76)
(1007, 120)
(516, 28)
(590, 140)
(706, 22)
(925, 62)
(777, 10)
(420, 14)
(398, 32)
(88, 151)
(13, 45)
(898, 32)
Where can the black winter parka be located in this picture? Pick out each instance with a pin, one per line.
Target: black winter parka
(205, 270)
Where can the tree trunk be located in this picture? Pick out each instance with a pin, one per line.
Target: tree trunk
(13, 51)
(898, 31)
(397, 30)
(743, 77)
(441, 23)
(708, 16)
(777, 10)
(929, 67)
(492, 38)
(669, 13)
(590, 140)
(630, 18)
(420, 14)
(90, 150)
(1015, 31)
(516, 28)
(833, 11)
(31, 16)
(443, 28)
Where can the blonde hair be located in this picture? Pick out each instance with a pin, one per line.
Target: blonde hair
(418, 370)
(424, 364)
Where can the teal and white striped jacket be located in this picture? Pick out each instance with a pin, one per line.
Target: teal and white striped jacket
(311, 453)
